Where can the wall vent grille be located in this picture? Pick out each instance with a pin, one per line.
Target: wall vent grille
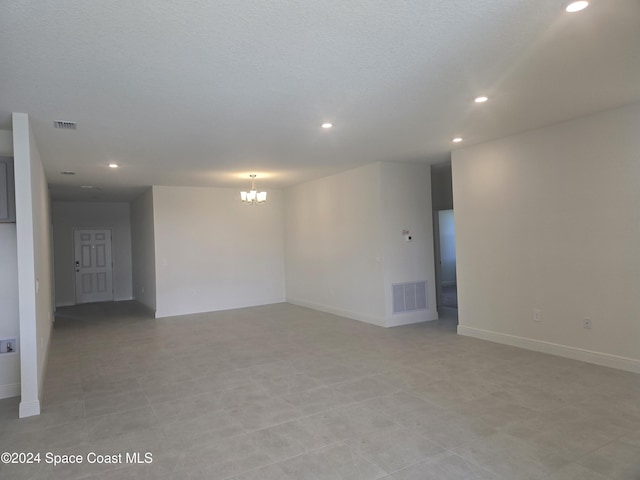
(65, 125)
(409, 297)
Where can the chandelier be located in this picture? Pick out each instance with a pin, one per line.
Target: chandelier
(253, 197)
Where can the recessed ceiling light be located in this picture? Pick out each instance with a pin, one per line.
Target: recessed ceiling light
(576, 6)
(481, 99)
(327, 125)
(86, 186)
(457, 140)
(113, 165)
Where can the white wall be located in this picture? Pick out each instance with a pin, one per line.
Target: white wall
(68, 216)
(215, 253)
(35, 283)
(333, 246)
(9, 317)
(406, 205)
(344, 242)
(550, 219)
(143, 250)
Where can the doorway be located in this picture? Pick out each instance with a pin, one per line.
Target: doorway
(93, 265)
(444, 240)
(447, 260)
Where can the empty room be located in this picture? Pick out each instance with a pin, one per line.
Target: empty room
(278, 240)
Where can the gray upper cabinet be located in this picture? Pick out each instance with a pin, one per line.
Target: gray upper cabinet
(7, 192)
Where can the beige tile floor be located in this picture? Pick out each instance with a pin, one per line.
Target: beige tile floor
(282, 392)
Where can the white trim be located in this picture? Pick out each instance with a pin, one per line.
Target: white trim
(65, 304)
(380, 322)
(589, 356)
(119, 299)
(397, 320)
(29, 409)
(178, 314)
(10, 390)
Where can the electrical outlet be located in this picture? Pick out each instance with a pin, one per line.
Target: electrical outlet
(537, 315)
(587, 323)
(8, 345)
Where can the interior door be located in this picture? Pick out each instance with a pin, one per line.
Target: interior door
(93, 267)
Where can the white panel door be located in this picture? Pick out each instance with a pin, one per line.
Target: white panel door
(93, 267)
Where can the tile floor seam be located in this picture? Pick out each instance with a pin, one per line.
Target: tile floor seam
(424, 354)
(337, 442)
(477, 466)
(577, 460)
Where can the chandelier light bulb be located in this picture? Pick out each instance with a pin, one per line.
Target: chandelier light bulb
(253, 196)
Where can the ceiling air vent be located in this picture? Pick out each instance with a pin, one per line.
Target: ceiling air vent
(65, 125)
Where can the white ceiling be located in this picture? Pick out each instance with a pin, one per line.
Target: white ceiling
(205, 92)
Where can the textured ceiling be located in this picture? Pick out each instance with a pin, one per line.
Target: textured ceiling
(205, 92)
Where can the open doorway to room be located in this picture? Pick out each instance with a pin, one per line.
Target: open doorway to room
(444, 240)
(447, 260)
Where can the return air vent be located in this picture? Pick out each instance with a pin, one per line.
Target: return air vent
(409, 297)
(65, 125)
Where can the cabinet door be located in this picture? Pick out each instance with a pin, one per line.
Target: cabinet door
(7, 194)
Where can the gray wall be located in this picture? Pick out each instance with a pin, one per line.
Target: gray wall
(441, 187)
(143, 263)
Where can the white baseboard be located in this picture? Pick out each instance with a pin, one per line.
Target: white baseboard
(65, 304)
(380, 322)
(410, 319)
(604, 359)
(29, 409)
(210, 309)
(11, 390)
(115, 299)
